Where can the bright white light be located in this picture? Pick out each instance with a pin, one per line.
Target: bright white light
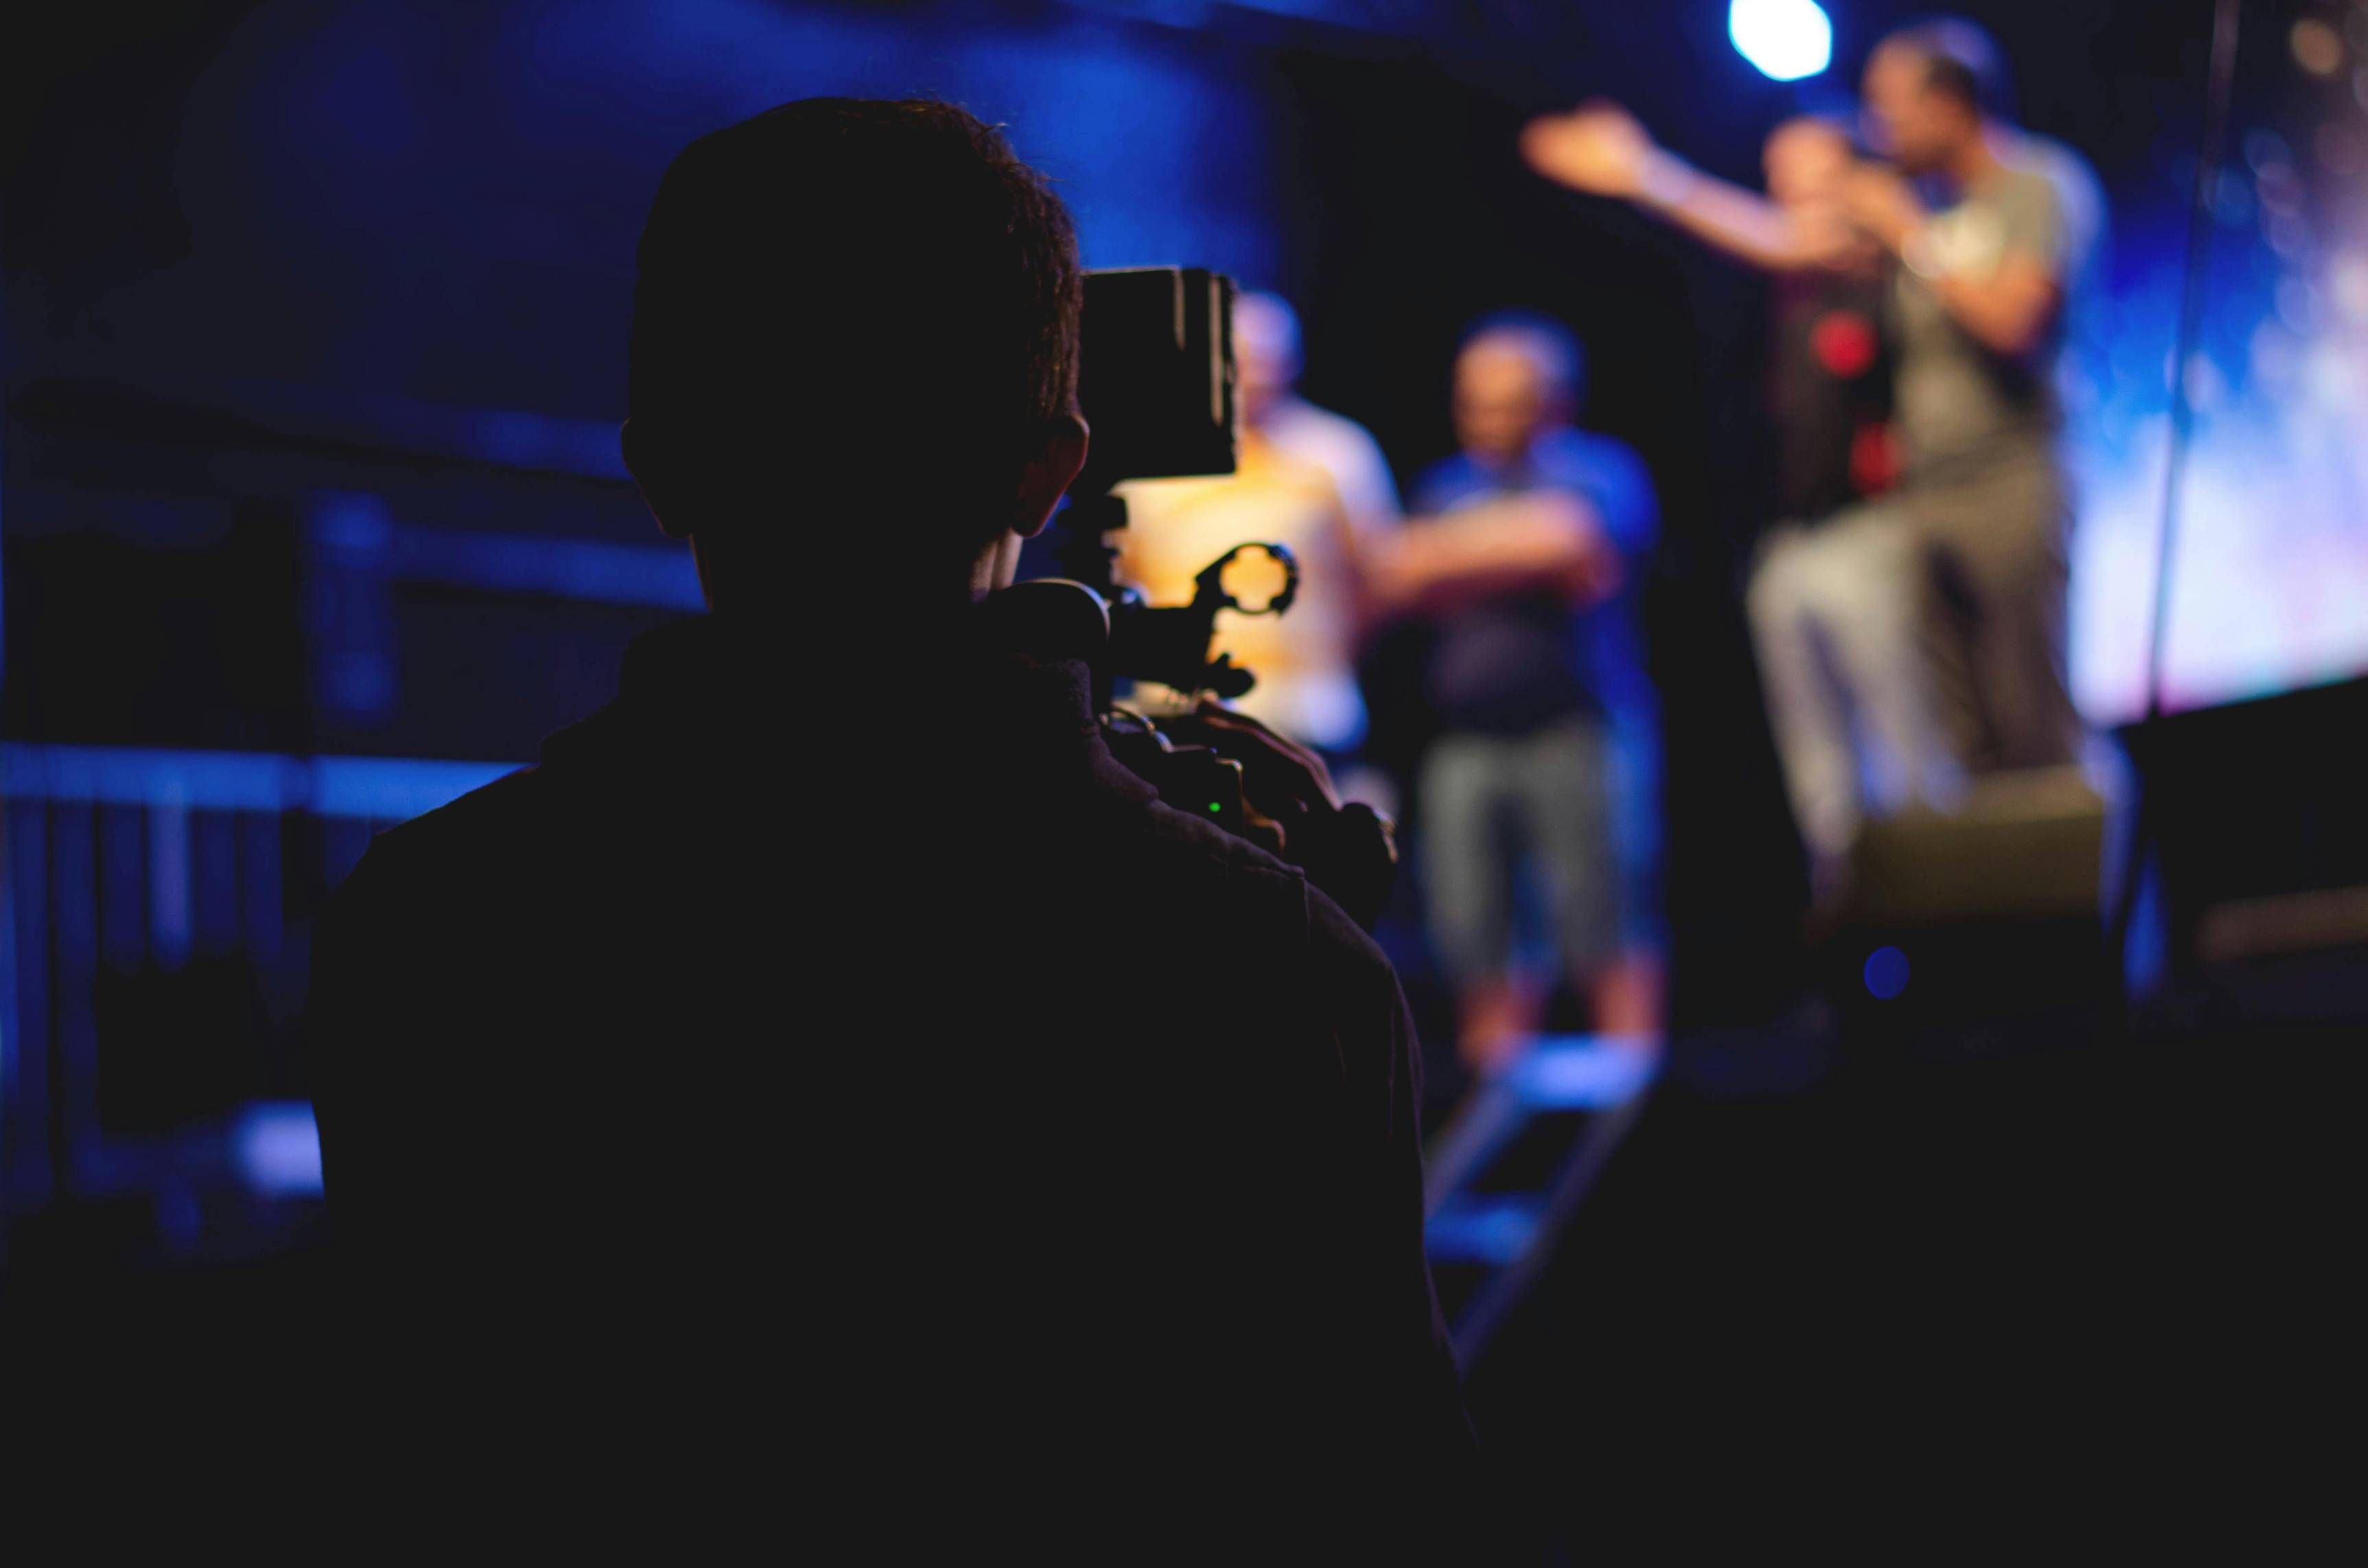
(1786, 38)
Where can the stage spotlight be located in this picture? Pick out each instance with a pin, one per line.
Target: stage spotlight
(1786, 38)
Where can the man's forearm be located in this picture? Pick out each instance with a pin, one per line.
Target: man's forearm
(2007, 311)
(2005, 321)
(1497, 549)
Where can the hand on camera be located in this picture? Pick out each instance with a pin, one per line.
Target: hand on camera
(1294, 810)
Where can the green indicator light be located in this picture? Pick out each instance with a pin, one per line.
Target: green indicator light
(1218, 807)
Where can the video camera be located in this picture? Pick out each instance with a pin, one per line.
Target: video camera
(1157, 383)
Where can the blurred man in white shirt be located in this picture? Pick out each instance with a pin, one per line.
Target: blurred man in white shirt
(1308, 478)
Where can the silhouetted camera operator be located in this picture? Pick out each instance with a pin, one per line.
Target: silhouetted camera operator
(769, 1088)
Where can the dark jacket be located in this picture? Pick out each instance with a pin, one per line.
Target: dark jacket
(913, 1083)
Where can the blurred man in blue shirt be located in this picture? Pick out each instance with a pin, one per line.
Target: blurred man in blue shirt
(1527, 561)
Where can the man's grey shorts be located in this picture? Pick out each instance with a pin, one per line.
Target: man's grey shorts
(1568, 813)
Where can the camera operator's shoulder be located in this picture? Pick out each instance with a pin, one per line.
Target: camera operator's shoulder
(1183, 844)
(1180, 873)
(1341, 950)
(483, 817)
(471, 837)
(1360, 995)
(1296, 957)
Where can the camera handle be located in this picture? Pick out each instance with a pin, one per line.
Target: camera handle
(1053, 619)
(1092, 614)
(1170, 645)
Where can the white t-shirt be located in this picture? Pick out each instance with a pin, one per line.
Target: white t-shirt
(1344, 449)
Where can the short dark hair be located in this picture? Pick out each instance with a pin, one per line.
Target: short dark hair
(1953, 79)
(853, 281)
(1961, 61)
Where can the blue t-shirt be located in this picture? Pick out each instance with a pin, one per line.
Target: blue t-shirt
(1519, 662)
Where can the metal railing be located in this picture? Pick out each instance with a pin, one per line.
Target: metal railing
(125, 863)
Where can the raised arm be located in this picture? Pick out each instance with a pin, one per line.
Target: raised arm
(1599, 149)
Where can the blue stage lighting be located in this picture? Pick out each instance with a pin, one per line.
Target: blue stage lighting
(1887, 973)
(1786, 38)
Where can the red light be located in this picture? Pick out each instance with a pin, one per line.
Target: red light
(1844, 342)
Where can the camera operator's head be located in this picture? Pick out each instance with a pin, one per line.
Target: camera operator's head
(855, 338)
(1517, 377)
